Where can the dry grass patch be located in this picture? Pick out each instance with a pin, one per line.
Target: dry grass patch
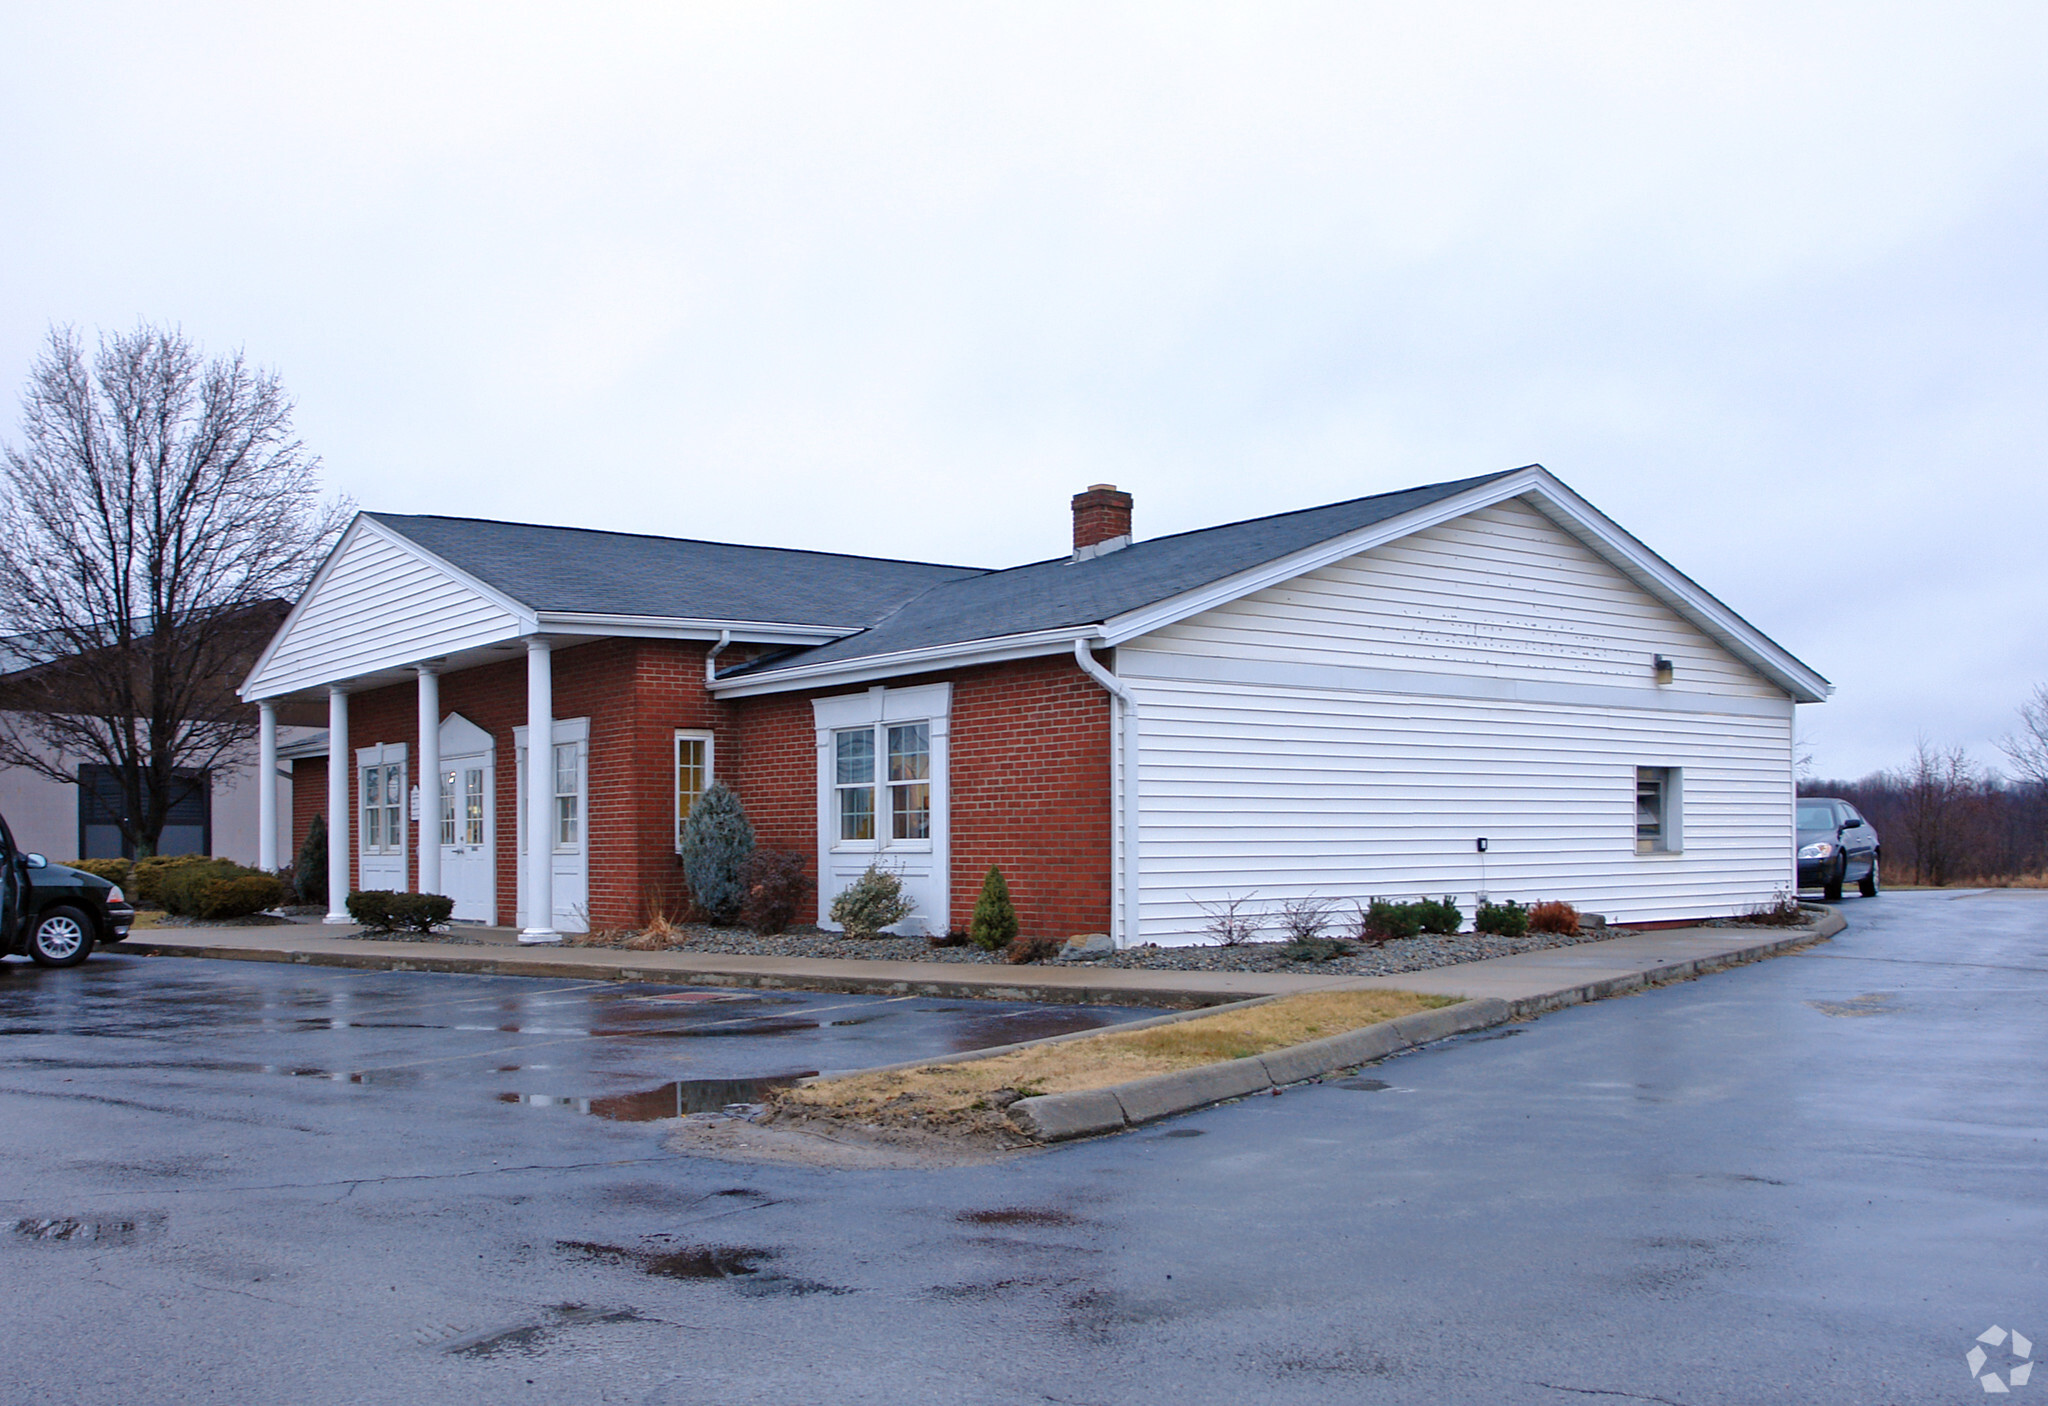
(968, 1097)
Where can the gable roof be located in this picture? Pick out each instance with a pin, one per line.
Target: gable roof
(1062, 593)
(575, 570)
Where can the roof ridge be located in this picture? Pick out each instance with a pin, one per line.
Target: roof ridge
(392, 518)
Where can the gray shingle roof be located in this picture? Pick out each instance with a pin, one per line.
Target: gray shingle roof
(623, 573)
(896, 605)
(1062, 592)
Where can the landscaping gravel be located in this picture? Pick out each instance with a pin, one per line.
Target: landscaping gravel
(1400, 955)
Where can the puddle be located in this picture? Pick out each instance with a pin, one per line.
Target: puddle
(1019, 1215)
(1185, 1132)
(674, 1100)
(62, 1229)
(490, 1341)
(1364, 1086)
(1869, 1003)
(738, 1265)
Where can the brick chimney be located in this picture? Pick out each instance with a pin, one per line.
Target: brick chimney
(1102, 520)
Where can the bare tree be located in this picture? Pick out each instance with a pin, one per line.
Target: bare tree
(2027, 749)
(1936, 790)
(157, 511)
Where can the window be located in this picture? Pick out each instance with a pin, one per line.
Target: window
(1657, 809)
(854, 778)
(187, 823)
(904, 786)
(568, 817)
(383, 801)
(693, 775)
(910, 781)
(448, 808)
(473, 805)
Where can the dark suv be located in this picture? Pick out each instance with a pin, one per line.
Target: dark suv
(1835, 845)
(52, 913)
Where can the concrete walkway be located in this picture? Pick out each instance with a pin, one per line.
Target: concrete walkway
(1530, 982)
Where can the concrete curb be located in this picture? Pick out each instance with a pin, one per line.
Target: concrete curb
(1169, 997)
(1057, 1117)
(1669, 972)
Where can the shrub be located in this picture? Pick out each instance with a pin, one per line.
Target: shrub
(310, 872)
(1304, 919)
(1316, 949)
(953, 937)
(148, 876)
(1033, 949)
(994, 925)
(1440, 917)
(1783, 911)
(1230, 923)
(717, 839)
(872, 902)
(1383, 921)
(776, 887)
(1509, 919)
(239, 897)
(384, 911)
(183, 885)
(114, 871)
(1554, 916)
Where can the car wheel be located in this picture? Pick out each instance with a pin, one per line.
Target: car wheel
(62, 938)
(1831, 890)
(1867, 885)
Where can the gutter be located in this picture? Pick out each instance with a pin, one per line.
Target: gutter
(1125, 779)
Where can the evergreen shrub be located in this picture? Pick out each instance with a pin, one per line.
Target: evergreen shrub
(309, 874)
(1509, 919)
(382, 910)
(717, 838)
(994, 925)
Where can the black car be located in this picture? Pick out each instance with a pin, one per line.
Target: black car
(52, 913)
(1835, 845)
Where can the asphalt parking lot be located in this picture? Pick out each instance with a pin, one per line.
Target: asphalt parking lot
(1813, 1179)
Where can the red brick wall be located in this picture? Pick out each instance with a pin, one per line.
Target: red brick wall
(309, 798)
(1029, 774)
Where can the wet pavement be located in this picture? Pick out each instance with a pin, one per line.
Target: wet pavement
(1814, 1179)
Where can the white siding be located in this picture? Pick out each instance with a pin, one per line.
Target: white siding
(378, 605)
(1352, 733)
(1501, 593)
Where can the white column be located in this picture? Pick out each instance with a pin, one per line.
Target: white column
(430, 780)
(341, 763)
(539, 859)
(266, 785)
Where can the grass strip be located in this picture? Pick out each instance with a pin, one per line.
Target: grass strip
(938, 1095)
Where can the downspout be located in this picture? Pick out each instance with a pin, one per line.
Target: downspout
(1127, 803)
(711, 659)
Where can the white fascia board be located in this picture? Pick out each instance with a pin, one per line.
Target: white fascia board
(1555, 501)
(882, 666)
(690, 628)
(1679, 591)
(1171, 611)
(252, 687)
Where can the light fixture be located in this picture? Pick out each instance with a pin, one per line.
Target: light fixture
(1663, 667)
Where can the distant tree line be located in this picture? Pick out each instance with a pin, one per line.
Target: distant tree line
(1945, 819)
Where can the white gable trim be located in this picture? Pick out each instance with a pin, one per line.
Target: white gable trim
(1547, 495)
(263, 682)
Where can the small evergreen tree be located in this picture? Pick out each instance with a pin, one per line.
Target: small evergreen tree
(994, 925)
(717, 838)
(309, 876)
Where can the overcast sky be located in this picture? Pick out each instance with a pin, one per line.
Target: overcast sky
(1766, 284)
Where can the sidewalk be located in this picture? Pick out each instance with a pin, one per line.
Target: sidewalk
(1529, 983)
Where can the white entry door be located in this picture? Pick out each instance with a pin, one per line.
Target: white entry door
(469, 837)
(381, 817)
(568, 823)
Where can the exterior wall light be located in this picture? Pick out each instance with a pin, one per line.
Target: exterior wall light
(1663, 667)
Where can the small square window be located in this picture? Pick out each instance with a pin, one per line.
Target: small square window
(1657, 810)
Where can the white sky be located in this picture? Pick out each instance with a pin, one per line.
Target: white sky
(1764, 283)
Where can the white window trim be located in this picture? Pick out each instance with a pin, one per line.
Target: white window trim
(926, 703)
(710, 741)
(1673, 827)
(384, 755)
(567, 731)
